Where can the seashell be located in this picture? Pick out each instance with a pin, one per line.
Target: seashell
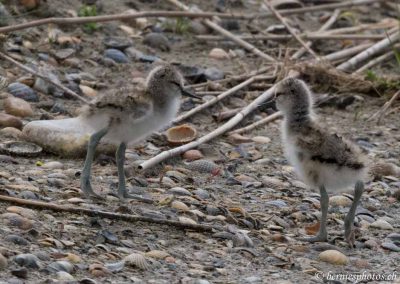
(73, 258)
(186, 220)
(333, 257)
(115, 266)
(340, 200)
(218, 53)
(381, 224)
(179, 206)
(138, 260)
(157, 254)
(203, 166)
(98, 270)
(181, 134)
(192, 155)
(21, 148)
(28, 260)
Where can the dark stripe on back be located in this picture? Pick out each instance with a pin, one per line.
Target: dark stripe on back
(351, 165)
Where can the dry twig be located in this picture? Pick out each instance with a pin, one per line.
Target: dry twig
(216, 99)
(368, 53)
(29, 70)
(258, 123)
(311, 36)
(375, 61)
(106, 214)
(379, 114)
(289, 28)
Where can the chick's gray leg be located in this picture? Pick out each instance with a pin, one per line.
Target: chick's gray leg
(322, 235)
(349, 220)
(120, 158)
(85, 175)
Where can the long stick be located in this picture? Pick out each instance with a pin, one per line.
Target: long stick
(106, 214)
(215, 100)
(258, 123)
(228, 34)
(346, 52)
(375, 61)
(37, 74)
(311, 36)
(289, 28)
(376, 48)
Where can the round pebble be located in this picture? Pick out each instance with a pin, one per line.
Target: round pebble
(18, 107)
(7, 120)
(22, 91)
(116, 55)
(333, 257)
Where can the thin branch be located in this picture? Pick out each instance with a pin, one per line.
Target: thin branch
(311, 36)
(379, 114)
(227, 34)
(289, 28)
(332, 19)
(258, 123)
(375, 61)
(106, 214)
(368, 53)
(37, 74)
(215, 133)
(337, 55)
(216, 99)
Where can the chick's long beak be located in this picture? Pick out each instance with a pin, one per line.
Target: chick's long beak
(188, 93)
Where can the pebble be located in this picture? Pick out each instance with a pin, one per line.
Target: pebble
(60, 265)
(18, 240)
(340, 200)
(179, 191)
(11, 132)
(333, 257)
(261, 139)
(28, 260)
(13, 219)
(20, 273)
(390, 246)
(64, 276)
(22, 91)
(201, 193)
(218, 53)
(119, 43)
(63, 54)
(381, 224)
(116, 55)
(157, 40)
(179, 206)
(3, 262)
(196, 27)
(213, 74)
(18, 107)
(88, 91)
(53, 165)
(7, 120)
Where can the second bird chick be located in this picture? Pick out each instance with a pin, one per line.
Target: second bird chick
(321, 158)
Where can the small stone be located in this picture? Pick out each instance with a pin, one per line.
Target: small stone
(64, 53)
(179, 191)
(218, 53)
(18, 107)
(157, 40)
(214, 74)
(18, 240)
(20, 273)
(11, 132)
(340, 200)
(198, 28)
(28, 260)
(22, 91)
(119, 43)
(88, 91)
(381, 224)
(53, 165)
(261, 139)
(333, 257)
(64, 276)
(201, 193)
(3, 262)
(179, 206)
(7, 120)
(390, 246)
(116, 55)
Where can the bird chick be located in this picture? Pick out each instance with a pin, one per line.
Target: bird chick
(322, 159)
(128, 115)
